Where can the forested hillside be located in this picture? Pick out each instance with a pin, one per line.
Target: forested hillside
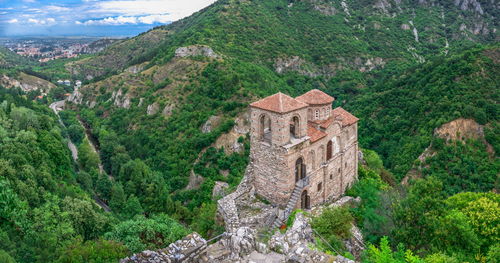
(404, 68)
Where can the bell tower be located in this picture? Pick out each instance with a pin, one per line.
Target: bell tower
(276, 122)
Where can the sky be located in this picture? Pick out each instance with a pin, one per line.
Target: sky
(91, 17)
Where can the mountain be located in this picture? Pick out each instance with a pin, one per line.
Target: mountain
(327, 36)
(221, 58)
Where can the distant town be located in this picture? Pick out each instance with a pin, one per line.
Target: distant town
(46, 49)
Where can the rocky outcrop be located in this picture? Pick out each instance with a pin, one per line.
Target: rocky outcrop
(120, 100)
(241, 242)
(76, 97)
(460, 129)
(195, 181)
(27, 83)
(153, 108)
(297, 241)
(303, 67)
(167, 111)
(457, 130)
(135, 68)
(195, 50)
(220, 189)
(230, 141)
(212, 123)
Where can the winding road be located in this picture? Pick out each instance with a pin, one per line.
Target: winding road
(57, 107)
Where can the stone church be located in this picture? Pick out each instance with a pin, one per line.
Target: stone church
(303, 153)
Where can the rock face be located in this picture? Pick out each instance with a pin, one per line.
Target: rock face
(27, 83)
(303, 67)
(241, 242)
(167, 111)
(230, 141)
(460, 129)
(295, 243)
(219, 189)
(120, 100)
(153, 109)
(195, 50)
(135, 69)
(212, 123)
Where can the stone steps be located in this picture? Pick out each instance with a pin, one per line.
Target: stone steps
(290, 205)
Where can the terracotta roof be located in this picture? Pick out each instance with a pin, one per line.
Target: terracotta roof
(344, 116)
(315, 97)
(338, 114)
(279, 102)
(314, 133)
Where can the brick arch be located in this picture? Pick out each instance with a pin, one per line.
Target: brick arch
(300, 170)
(295, 124)
(265, 127)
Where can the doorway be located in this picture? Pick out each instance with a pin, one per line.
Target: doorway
(305, 200)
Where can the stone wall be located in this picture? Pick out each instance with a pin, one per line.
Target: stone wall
(274, 163)
(226, 207)
(187, 249)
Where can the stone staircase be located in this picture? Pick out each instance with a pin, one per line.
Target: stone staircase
(299, 186)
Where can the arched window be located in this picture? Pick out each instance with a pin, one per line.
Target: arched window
(336, 144)
(300, 169)
(295, 127)
(265, 132)
(329, 150)
(327, 112)
(316, 114)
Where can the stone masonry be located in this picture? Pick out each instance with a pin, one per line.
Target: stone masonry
(302, 139)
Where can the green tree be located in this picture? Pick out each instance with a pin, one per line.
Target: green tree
(104, 186)
(142, 233)
(334, 224)
(93, 251)
(118, 198)
(5, 257)
(417, 214)
(76, 133)
(87, 157)
(85, 217)
(133, 207)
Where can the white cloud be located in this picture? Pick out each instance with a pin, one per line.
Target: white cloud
(48, 21)
(122, 20)
(176, 8)
(55, 8)
(13, 21)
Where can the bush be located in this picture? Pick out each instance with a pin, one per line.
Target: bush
(333, 225)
